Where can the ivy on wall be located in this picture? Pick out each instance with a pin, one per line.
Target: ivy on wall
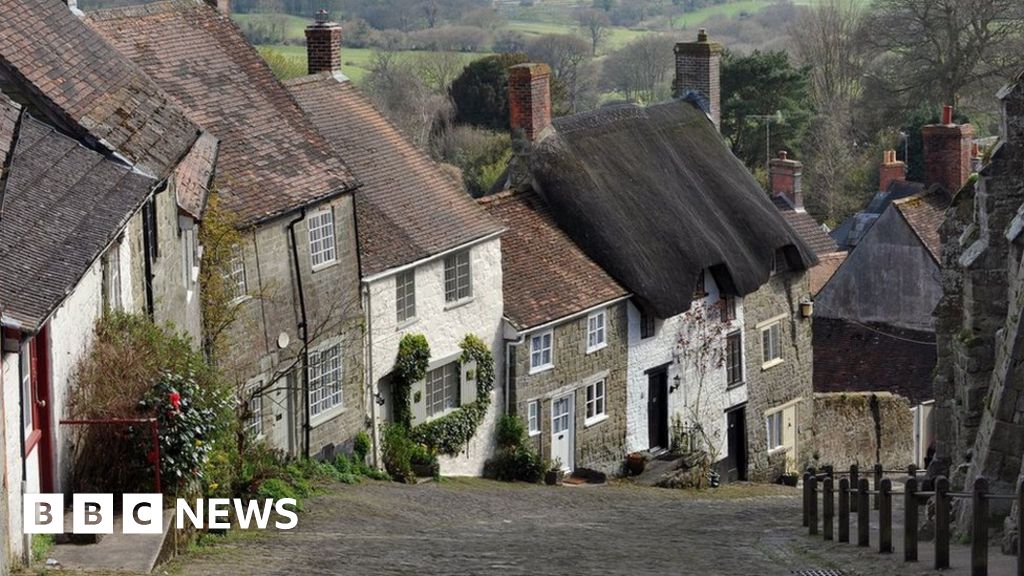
(410, 366)
(449, 433)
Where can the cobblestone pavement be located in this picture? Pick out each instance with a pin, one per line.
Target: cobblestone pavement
(481, 527)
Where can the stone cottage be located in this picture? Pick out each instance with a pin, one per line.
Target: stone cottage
(566, 327)
(294, 349)
(430, 258)
(655, 197)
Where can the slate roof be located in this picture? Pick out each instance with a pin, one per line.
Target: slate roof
(10, 112)
(193, 175)
(850, 232)
(87, 87)
(545, 275)
(807, 227)
(925, 214)
(408, 208)
(271, 159)
(655, 196)
(850, 357)
(63, 205)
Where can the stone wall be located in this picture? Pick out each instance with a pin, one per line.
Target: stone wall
(601, 445)
(863, 428)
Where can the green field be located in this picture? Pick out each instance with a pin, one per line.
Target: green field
(355, 62)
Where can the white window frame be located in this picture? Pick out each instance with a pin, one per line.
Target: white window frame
(405, 290)
(449, 377)
(321, 239)
(596, 402)
(738, 336)
(597, 330)
(457, 267)
(537, 360)
(774, 422)
(533, 417)
(254, 422)
(771, 355)
(25, 372)
(326, 393)
(112, 277)
(234, 276)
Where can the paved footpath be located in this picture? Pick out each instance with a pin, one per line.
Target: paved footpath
(479, 527)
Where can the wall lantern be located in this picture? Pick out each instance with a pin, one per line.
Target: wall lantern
(675, 384)
(807, 308)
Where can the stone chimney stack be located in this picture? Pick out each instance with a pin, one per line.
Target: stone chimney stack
(698, 70)
(891, 170)
(786, 178)
(222, 6)
(323, 45)
(947, 152)
(529, 99)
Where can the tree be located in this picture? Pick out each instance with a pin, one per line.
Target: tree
(945, 48)
(569, 57)
(762, 84)
(480, 93)
(595, 26)
(641, 69)
(827, 42)
(399, 89)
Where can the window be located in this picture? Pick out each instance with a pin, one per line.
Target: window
(254, 421)
(112, 277)
(457, 281)
(540, 351)
(234, 277)
(324, 379)
(647, 327)
(321, 238)
(771, 344)
(533, 417)
(595, 402)
(27, 402)
(728, 306)
(150, 227)
(734, 358)
(442, 389)
(405, 295)
(698, 289)
(774, 424)
(189, 256)
(596, 336)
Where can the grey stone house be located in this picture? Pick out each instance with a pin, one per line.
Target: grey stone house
(295, 347)
(566, 328)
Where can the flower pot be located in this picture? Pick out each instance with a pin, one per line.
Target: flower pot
(635, 463)
(554, 477)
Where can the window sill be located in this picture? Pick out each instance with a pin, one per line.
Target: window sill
(457, 303)
(534, 434)
(326, 415)
(735, 385)
(594, 421)
(771, 364)
(540, 369)
(597, 348)
(324, 266)
(778, 450)
(406, 323)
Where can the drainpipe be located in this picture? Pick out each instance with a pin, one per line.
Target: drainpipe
(303, 325)
(368, 371)
(509, 344)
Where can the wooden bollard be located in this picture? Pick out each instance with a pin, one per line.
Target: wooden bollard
(885, 517)
(1020, 528)
(844, 509)
(979, 527)
(827, 511)
(807, 505)
(941, 523)
(878, 484)
(812, 505)
(863, 514)
(910, 520)
(854, 483)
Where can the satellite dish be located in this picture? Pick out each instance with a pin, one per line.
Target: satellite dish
(283, 340)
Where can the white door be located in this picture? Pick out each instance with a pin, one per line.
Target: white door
(562, 431)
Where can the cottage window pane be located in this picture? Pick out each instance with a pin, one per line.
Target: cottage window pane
(457, 277)
(254, 422)
(442, 389)
(405, 291)
(533, 416)
(595, 400)
(325, 380)
(321, 238)
(734, 358)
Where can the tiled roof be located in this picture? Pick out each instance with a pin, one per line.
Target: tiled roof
(850, 357)
(9, 114)
(806, 227)
(85, 85)
(545, 275)
(852, 230)
(193, 175)
(408, 208)
(925, 214)
(63, 204)
(271, 159)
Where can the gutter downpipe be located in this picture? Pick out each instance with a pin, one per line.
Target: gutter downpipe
(303, 325)
(508, 364)
(368, 371)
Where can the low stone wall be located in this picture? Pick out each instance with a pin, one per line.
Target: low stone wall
(863, 428)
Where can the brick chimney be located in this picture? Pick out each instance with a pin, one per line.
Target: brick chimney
(323, 45)
(698, 69)
(947, 152)
(529, 99)
(891, 170)
(786, 177)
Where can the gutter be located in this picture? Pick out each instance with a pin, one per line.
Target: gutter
(303, 327)
(414, 264)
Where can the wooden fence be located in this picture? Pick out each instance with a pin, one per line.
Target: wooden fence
(855, 497)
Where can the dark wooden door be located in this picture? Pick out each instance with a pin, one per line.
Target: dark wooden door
(737, 440)
(657, 409)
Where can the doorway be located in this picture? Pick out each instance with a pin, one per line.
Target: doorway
(736, 421)
(657, 409)
(562, 431)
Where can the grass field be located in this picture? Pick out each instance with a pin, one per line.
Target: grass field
(355, 62)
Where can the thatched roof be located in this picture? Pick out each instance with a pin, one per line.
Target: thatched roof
(655, 196)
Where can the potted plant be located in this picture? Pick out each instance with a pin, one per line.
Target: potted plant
(555, 474)
(789, 479)
(635, 463)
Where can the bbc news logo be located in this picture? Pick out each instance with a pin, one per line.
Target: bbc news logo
(143, 513)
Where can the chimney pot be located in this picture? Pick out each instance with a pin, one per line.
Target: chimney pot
(890, 171)
(947, 115)
(782, 154)
(529, 99)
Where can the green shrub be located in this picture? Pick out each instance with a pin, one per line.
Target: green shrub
(276, 489)
(342, 464)
(511, 432)
(410, 366)
(361, 446)
(514, 459)
(398, 450)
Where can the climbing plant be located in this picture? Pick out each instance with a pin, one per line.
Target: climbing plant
(449, 433)
(410, 366)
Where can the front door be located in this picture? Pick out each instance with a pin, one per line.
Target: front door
(562, 431)
(657, 409)
(737, 440)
